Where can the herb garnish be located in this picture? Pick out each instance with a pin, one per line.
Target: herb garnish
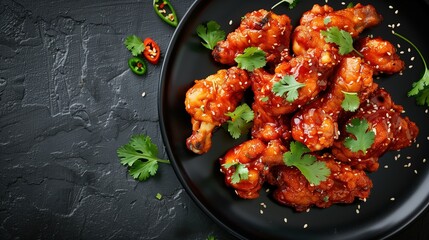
(342, 38)
(211, 33)
(420, 88)
(140, 154)
(134, 44)
(240, 122)
(314, 171)
(251, 59)
(287, 87)
(351, 101)
(292, 3)
(363, 137)
(241, 172)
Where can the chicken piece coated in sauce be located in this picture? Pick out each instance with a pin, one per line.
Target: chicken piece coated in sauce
(343, 185)
(208, 100)
(264, 29)
(392, 132)
(353, 20)
(255, 156)
(267, 127)
(380, 55)
(315, 125)
(305, 69)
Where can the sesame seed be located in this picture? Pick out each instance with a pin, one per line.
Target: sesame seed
(357, 211)
(143, 94)
(230, 22)
(392, 199)
(415, 171)
(285, 220)
(305, 225)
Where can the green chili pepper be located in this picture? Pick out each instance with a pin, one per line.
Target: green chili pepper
(137, 65)
(166, 12)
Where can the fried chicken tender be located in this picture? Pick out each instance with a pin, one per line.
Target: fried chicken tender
(343, 185)
(392, 132)
(264, 29)
(257, 157)
(380, 55)
(208, 100)
(305, 69)
(353, 20)
(315, 125)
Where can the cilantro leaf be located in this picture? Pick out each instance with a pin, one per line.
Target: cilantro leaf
(363, 137)
(241, 172)
(292, 3)
(251, 59)
(140, 155)
(314, 171)
(210, 33)
(351, 101)
(287, 87)
(423, 97)
(134, 44)
(420, 88)
(342, 38)
(240, 121)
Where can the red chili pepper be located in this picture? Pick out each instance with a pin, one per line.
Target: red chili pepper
(151, 51)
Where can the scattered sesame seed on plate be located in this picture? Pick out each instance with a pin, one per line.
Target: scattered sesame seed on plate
(285, 220)
(305, 225)
(392, 199)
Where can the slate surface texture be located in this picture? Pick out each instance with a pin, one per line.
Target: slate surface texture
(67, 102)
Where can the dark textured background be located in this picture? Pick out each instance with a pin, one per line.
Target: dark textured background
(67, 102)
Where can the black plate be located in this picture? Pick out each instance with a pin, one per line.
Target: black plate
(399, 194)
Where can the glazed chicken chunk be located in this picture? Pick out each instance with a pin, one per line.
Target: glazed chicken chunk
(344, 185)
(305, 69)
(380, 55)
(392, 131)
(315, 125)
(353, 20)
(208, 100)
(256, 157)
(264, 29)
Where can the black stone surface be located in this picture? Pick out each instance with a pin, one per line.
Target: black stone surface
(67, 102)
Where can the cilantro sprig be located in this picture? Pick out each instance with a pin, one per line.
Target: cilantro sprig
(363, 137)
(314, 171)
(287, 87)
(420, 88)
(251, 59)
(241, 171)
(211, 33)
(292, 3)
(342, 38)
(140, 155)
(241, 119)
(351, 101)
(134, 44)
